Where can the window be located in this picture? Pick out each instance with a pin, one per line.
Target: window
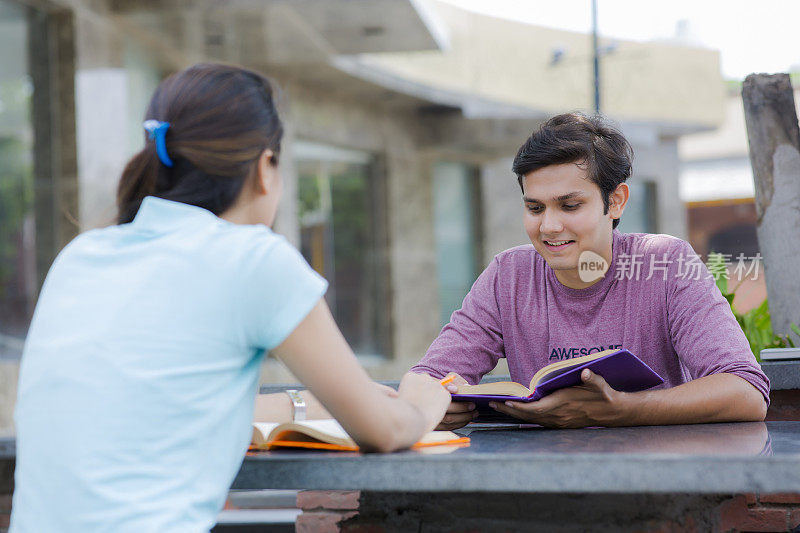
(38, 170)
(341, 206)
(18, 281)
(457, 228)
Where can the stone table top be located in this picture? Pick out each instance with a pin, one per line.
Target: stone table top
(782, 375)
(704, 458)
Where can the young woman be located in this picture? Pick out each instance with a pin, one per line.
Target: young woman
(138, 379)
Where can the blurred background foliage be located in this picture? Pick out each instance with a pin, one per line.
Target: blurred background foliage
(16, 176)
(756, 322)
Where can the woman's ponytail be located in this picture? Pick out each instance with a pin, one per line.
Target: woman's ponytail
(138, 180)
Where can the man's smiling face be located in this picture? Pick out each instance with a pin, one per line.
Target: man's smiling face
(564, 217)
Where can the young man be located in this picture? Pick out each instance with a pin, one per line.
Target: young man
(533, 306)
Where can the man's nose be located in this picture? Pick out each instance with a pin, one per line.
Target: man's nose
(550, 223)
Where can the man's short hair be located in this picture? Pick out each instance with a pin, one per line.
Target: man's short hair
(582, 139)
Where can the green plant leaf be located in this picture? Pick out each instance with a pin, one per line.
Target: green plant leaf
(755, 323)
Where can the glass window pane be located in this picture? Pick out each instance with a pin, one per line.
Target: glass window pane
(17, 229)
(337, 205)
(456, 229)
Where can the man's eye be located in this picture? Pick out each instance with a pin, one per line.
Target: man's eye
(535, 208)
(571, 207)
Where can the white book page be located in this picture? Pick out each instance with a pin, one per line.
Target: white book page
(328, 426)
(265, 427)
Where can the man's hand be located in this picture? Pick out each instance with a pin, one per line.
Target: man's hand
(594, 403)
(458, 414)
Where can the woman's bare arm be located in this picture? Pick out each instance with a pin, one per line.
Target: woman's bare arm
(318, 355)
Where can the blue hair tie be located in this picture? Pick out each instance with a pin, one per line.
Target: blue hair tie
(158, 131)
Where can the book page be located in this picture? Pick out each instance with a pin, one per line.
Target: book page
(500, 388)
(326, 430)
(329, 434)
(261, 430)
(557, 372)
(556, 369)
(328, 426)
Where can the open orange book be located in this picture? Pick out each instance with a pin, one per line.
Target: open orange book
(327, 434)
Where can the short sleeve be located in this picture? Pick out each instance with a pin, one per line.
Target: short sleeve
(704, 332)
(279, 290)
(472, 343)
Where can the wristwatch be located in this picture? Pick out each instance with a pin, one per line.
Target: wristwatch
(298, 403)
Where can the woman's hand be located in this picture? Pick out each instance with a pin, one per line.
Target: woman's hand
(458, 414)
(387, 390)
(427, 395)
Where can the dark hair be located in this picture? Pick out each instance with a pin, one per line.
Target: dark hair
(577, 138)
(222, 118)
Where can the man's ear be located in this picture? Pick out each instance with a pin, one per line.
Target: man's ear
(264, 172)
(618, 200)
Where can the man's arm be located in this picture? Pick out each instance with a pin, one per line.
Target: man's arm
(472, 342)
(704, 333)
(714, 398)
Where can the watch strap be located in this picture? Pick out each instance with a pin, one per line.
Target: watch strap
(298, 403)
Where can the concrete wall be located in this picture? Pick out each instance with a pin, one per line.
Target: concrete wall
(9, 372)
(502, 208)
(659, 162)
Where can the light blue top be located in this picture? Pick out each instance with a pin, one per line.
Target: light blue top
(140, 369)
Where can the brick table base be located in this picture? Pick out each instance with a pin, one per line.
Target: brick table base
(373, 512)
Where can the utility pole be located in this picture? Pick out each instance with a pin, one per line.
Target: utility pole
(596, 56)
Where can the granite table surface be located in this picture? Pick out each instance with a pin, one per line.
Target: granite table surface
(703, 458)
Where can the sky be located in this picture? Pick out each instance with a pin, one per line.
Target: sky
(751, 35)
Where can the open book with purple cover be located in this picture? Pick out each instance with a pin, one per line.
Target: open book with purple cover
(622, 370)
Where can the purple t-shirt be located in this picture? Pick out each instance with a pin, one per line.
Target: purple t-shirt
(676, 321)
